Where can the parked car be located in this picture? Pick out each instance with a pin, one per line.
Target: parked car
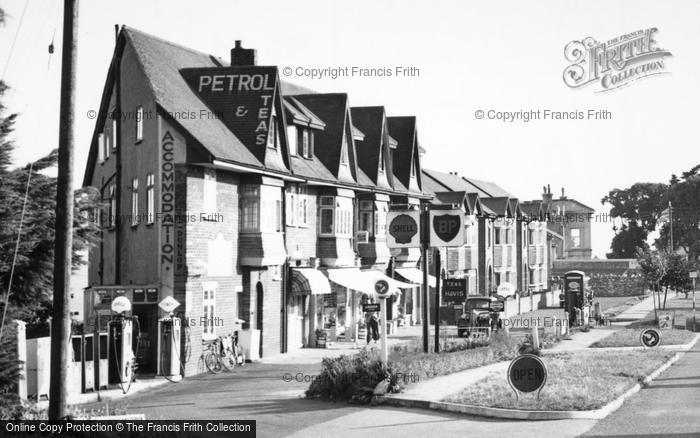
(480, 312)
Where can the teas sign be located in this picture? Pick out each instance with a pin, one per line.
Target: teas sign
(446, 228)
(454, 290)
(403, 229)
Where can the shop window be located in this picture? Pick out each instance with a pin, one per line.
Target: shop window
(150, 198)
(134, 201)
(139, 123)
(208, 311)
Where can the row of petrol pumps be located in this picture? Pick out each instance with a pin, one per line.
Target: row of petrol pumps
(108, 356)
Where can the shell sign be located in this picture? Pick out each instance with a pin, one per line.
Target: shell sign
(403, 229)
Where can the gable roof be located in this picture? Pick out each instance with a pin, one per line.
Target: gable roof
(162, 61)
(370, 120)
(406, 155)
(500, 206)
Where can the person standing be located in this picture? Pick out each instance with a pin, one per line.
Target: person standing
(372, 328)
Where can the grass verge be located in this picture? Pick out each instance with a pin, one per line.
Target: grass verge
(581, 380)
(629, 337)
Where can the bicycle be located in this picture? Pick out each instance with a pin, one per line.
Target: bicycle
(212, 356)
(231, 352)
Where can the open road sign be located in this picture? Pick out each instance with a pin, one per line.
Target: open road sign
(382, 288)
(527, 373)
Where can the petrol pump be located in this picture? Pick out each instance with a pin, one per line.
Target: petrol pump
(169, 347)
(121, 335)
(169, 362)
(575, 297)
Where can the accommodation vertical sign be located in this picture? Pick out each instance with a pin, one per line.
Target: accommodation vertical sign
(167, 210)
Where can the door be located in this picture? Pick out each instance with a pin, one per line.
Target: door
(259, 313)
(295, 321)
(146, 337)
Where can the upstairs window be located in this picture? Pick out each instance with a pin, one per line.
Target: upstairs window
(134, 202)
(336, 216)
(380, 219)
(306, 141)
(208, 310)
(297, 201)
(261, 208)
(111, 219)
(413, 168)
(106, 143)
(497, 236)
(139, 123)
(272, 135)
(114, 133)
(575, 238)
(101, 147)
(292, 139)
(366, 216)
(344, 155)
(150, 199)
(382, 165)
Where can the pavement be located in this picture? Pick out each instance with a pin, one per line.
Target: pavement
(669, 406)
(635, 312)
(271, 391)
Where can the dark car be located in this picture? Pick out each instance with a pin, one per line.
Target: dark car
(480, 312)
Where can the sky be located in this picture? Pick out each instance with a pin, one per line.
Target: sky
(496, 56)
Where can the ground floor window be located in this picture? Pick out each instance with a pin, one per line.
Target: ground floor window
(208, 317)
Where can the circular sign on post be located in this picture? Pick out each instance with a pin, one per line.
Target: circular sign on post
(381, 287)
(121, 304)
(527, 373)
(650, 338)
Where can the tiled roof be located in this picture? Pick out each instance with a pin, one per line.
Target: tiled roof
(332, 109)
(161, 61)
(403, 129)
(369, 120)
(500, 206)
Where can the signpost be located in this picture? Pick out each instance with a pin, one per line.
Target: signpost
(403, 229)
(121, 304)
(694, 275)
(371, 307)
(454, 290)
(381, 287)
(527, 373)
(168, 304)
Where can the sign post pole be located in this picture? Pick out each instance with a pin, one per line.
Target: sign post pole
(381, 287)
(384, 332)
(437, 299)
(424, 262)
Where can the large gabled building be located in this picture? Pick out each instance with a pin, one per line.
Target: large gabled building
(259, 206)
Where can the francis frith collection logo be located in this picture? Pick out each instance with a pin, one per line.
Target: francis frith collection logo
(615, 63)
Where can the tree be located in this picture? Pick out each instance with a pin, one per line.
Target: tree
(627, 240)
(653, 267)
(684, 194)
(32, 284)
(676, 276)
(638, 207)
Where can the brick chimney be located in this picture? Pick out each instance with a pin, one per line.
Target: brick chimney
(547, 195)
(241, 56)
(563, 195)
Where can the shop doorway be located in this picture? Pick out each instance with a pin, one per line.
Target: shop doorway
(146, 346)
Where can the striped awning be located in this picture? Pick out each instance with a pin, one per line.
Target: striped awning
(309, 281)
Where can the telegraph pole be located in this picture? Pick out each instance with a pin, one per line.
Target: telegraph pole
(424, 263)
(61, 323)
(670, 221)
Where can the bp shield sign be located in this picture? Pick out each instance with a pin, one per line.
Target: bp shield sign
(527, 373)
(403, 229)
(446, 228)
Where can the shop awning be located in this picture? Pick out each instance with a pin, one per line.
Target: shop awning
(364, 281)
(308, 281)
(415, 275)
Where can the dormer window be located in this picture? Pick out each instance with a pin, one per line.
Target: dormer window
(292, 139)
(413, 169)
(344, 155)
(272, 135)
(382, 165)
(306, 141)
